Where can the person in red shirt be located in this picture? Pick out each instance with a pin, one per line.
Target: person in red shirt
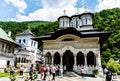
(42, 70)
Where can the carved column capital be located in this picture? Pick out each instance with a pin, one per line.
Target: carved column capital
(75, 55)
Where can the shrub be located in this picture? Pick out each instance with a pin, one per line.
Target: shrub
(7, 69)
(113, 66)
(12, 78)
(95, 72)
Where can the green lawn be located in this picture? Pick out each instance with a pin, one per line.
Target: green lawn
(7, 74)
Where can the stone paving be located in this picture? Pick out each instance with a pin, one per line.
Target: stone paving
(62, 79)
(59, 78)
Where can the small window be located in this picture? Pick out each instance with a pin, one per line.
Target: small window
(24, 40)
(2, 47)
(86, 21)
(34, 44)
(68, 39)
(19, 41)
(31, 43)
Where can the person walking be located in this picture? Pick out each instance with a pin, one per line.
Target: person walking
(12, 68)
(45, 72)
(109, 75)
(31, 72)
(64, 69)
(21, 70)
(82, 72)
(53, 70)
(48, 72)
(42, 70)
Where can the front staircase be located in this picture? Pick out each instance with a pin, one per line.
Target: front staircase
(70, 74)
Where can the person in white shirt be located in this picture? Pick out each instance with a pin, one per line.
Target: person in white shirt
(53, 70)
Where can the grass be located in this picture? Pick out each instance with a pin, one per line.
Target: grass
(7, 74)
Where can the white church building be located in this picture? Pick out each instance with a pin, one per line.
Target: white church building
(75, 44)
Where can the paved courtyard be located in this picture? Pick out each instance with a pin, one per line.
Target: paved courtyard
(62, 79)
(59, 78)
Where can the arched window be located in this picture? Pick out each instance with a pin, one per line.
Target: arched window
(31, 43)
(24, 40)
(19, 41)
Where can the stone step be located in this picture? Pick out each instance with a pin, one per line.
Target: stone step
(70, 74)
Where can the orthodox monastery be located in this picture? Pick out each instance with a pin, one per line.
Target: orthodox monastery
(76, 44)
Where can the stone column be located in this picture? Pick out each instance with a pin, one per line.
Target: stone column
(96, 57)
(61, 59)
(85, 66)
(99, 60)
(75, 64)
(85, 60)
(75, 60)
(52, 59)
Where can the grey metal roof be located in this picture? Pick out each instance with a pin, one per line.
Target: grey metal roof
(4, 36)
(26, 32)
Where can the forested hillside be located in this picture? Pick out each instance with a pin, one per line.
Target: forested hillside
(18, 27)
(107, 19)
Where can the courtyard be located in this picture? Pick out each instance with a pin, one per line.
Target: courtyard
(59, 78)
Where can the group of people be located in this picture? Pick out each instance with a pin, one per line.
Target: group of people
(47, 71)
(12, 70)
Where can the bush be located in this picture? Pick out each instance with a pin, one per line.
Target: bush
(95, 72)
(113, 66)
(12, 78)
(7, 69)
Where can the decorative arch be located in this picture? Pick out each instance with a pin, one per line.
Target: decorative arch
(65, 48)
(68, 60)
(91, 59)
(8, 63)
(80, 59)
(56, 58)
(48, 58)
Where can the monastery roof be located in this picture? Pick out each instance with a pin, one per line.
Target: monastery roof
(82, 34)
(26, 32)
(5, 37)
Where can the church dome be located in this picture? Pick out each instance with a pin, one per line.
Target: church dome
(81, 21)
(64, 21)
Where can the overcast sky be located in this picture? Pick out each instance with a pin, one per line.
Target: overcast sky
(49, 10)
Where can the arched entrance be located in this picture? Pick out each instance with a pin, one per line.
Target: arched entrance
(57, 59)
(80, 59)
(48, 58)
(91, 60)
(68, 60)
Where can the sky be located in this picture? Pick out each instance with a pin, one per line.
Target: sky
(49, 10)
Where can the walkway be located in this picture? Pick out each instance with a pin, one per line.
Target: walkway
(59, 78)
